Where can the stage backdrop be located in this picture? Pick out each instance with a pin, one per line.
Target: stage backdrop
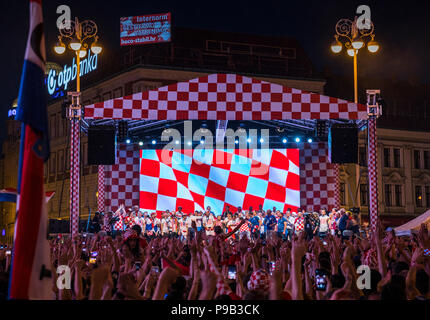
(195, 179)
(317, 182)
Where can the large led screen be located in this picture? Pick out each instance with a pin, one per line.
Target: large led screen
(195, 179)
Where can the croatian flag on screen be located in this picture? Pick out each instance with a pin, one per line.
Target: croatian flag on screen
(195, 179)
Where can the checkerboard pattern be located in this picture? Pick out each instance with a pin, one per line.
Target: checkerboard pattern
(101, 189)
(122, 179)
(74, 177)
(195, 179)
(337, 186)
(317, 181)
(373, 176)
(225, 97)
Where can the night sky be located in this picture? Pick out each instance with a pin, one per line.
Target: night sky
(401, 28)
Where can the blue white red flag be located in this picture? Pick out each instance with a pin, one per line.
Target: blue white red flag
(10, 195)
(30, 275)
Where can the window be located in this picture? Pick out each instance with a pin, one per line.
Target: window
(362, 156)
(396, 158)
(387, 160)
(418, 196)
(342, 194)
(427, 160)
(117, 93)
(364, 194)
(388, 195)
(398, 196)
(107, 96)
(417, 159)
(428, 196)
(68, 159)
(53, 163)
(53, 126)
(61, 161)
(60, 125)
(85, 154)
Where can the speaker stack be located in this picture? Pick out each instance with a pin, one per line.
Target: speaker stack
(343, 144)
(101, 145)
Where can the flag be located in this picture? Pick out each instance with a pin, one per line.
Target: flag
(30, 275)
(10, 195)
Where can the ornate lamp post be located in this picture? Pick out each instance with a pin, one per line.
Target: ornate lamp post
(354, 38)
(79, 36)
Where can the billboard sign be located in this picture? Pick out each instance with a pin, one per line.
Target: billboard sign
(154, 28)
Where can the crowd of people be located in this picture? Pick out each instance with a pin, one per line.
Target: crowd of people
(250, 255)
(258, 223)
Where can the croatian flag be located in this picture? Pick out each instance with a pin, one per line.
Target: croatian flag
(30, 276)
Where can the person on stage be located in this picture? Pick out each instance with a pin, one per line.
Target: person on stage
(208, 221)
(198, 219)
(164, 223)
(118, 217)
(225, 213)
(255, 222)
(173, 225)
(269, 223)
(299, 223)
(183, 224)
(323, 225)
(281, 226)
(290, 224)
(148, 225)
(156, 222)
(245, 229)
(139, 220)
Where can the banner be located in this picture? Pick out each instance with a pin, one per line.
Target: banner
(152, 28)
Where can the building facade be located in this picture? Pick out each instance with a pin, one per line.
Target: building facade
(403, 154)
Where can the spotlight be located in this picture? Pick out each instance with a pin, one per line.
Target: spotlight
(140, 143)
(154, 142)
(128, 141)
(189, 143)
(176, 142)
(249, 140)
(261, 140)
(297, 139)
(310, 140)
(284, 141)
(202, 141)
(236, 141)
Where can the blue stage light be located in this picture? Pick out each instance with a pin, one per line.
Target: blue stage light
(128, 141)
(154, 142)
(261, 140)
(249, 140)
(297, 139)
(310, 140)
(284, 141)
(140, 143)
(176, 142)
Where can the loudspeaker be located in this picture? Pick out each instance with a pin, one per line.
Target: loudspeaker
(58, 226)
(343, 144)
(101, 146)
(54, 226)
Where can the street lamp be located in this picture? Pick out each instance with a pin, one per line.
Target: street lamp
(355, 39)
(80, 36)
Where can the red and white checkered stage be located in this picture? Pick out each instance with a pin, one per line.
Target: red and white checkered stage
(223, 97)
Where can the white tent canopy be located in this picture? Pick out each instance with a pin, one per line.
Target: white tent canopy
(413, 225)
